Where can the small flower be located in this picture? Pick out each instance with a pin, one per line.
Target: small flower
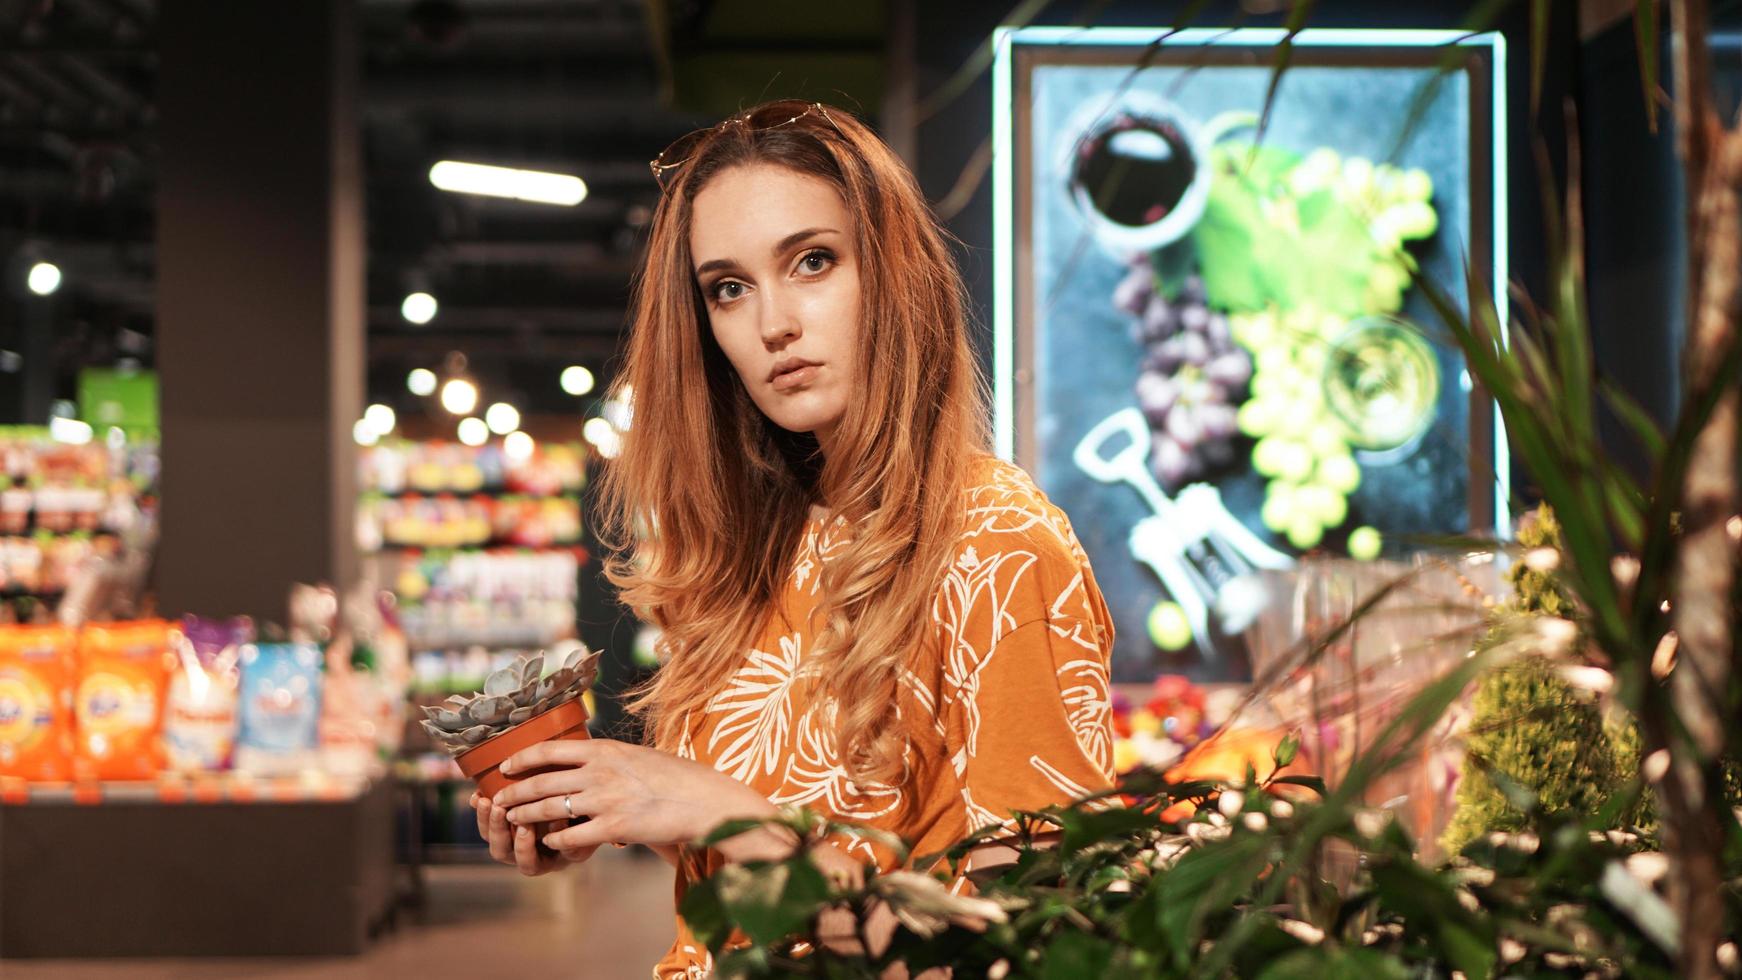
(925, 906)
(1306, 932)
(1727, 956)
(1511, 950)
(1255, 822)
(1648, 866)
(1663, 658)
(1542, 559)
(1467, 899)
(1557, 635)
(998, 970)
(1625, 568)
(1655, 766)
(1371, 823)
(1593, 679)
(1282, 809)
(1230, 802)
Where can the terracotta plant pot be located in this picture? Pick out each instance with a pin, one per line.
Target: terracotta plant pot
(480, 762)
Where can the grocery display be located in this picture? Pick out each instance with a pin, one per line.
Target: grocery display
(157, 701)
(1216, 357)
(63, 506)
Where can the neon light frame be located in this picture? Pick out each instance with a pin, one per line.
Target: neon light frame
(1005, 39)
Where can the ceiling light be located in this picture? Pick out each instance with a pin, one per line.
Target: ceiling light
(459, 396)
(421, 382)
(502, 418)
(517, 446)
(71, 431)
(577, 380)
(419, 308)
(473, 431)
(522, 185)
(381, 418)
(44, 278)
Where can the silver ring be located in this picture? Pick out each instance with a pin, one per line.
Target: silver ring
(567, 807)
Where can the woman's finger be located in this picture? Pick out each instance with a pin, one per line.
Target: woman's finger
(553, 809)
(558, 752)
(526, 855)
(542, 786)
(500, 836)
(582, 836)
(481, 810)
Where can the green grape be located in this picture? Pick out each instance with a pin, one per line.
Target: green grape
(1365, 543)
(1294, 462)
(1168, 628)
(1278, 506)
(1339, 472)
(1266, 457)
(1416, 185)
(1304, 532)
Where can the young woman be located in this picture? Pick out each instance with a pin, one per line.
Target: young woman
(863, 611)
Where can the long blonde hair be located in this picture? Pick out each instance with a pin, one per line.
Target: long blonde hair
(705, 505)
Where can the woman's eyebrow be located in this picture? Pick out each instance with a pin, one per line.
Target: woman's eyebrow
(779, 247)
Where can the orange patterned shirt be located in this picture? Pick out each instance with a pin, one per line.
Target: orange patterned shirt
(1009, 697)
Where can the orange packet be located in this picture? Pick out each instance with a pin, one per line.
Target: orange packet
(123, 676)
(36, 722)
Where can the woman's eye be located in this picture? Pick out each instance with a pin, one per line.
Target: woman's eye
(728, 290)
(815, 262)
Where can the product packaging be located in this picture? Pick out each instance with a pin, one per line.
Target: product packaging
(201, 715)
(123, 675)
(281, 705)
(36, 719)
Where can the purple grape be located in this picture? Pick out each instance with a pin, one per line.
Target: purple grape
(1194, 318)
(1217, 421)
(1193, 348)
(1231, 370)
(1191, 374)
(1183, 424)
(1156, 393)
(1169, 461)
(1218, 332)
(1133, 293)
(1158, 320)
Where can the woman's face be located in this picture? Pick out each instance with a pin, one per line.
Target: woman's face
(773, 256)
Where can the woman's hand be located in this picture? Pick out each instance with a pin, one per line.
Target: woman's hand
(630, 794)
(517, 846)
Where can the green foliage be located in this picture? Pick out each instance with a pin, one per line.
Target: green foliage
(1535, 742)
(1533, 729)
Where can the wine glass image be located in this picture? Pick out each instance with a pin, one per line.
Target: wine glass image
(1382, 382)
(1135, 166)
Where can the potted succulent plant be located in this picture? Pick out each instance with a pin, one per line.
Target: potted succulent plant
(521, 705)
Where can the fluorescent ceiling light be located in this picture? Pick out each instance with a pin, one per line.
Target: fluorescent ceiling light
(522, 185)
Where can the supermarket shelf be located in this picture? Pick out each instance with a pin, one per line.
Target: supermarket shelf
(465, 549)
(214, 788)
(462, 494)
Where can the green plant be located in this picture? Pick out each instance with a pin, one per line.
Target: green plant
(1533, 728)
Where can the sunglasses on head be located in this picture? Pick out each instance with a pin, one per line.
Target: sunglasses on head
(773, 115)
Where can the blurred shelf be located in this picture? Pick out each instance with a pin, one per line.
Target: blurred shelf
(463, 494)
(227, 787)
(394, 550)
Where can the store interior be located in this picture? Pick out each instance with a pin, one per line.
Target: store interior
(302, 412)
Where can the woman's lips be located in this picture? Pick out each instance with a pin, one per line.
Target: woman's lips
(796, 379)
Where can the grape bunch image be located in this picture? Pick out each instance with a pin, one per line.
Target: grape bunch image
(1192, 377)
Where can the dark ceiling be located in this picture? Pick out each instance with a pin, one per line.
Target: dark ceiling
(584, 87)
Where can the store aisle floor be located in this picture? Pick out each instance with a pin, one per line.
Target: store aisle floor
(607, 920)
